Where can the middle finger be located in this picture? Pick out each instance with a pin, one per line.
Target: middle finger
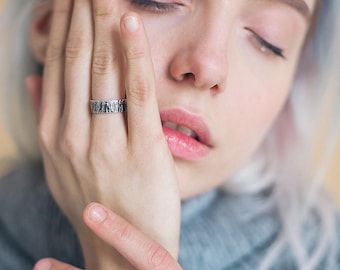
(107, 77)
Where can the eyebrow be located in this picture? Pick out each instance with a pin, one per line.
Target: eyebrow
(299, 5)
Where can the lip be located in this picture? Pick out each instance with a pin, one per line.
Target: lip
(183, 146)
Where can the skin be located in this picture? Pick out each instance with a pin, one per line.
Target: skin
(235, 84)
(132, 247)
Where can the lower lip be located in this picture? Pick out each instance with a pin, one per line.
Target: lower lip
(183, 146)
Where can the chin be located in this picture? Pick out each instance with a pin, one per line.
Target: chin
(191, 187)
(191, 182)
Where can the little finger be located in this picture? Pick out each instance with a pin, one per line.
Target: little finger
(53, 80)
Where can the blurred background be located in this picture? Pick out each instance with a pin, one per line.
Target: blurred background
(7, 150)
(8, 154)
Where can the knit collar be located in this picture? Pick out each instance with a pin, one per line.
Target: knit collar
(215, 233)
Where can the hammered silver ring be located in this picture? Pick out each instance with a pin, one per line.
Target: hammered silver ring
(108, 106)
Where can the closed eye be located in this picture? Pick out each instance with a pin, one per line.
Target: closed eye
(155, 6)
(265, 46)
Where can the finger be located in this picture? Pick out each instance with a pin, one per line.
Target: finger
(78, 57)
(107, 51)
(52, 264)
(143, 114)
(107, 82)
(53, 82)
(141, 251)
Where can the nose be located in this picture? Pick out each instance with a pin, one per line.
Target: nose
(201, 59)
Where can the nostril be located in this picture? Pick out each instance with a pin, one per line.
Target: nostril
(216, 89)
(191, 76)
(188, 75)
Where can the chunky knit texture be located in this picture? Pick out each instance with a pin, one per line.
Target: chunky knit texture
(217, 230)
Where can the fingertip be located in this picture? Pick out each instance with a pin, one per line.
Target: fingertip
(131, 22)
(43, 264)
(95, 213)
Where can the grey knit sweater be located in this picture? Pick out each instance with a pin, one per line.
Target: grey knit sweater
(214, 233)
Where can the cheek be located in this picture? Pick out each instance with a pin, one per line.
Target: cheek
(242, 117)
(246, 110)
(160, 60)
(257, 88)
(161, 35)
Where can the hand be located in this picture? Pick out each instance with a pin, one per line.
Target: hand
(141, 251)
(121, 161)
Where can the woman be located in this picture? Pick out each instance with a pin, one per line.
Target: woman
(185, 119)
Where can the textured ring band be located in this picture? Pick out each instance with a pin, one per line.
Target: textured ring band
(108, 106)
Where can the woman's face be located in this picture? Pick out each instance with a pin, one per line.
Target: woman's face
(223, 70)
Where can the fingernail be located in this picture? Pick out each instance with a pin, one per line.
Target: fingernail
(97, 214)
(131, 23)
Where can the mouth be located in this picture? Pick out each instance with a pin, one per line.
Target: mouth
(187, 134)
(182, 129)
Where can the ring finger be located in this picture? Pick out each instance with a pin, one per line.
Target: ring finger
(77, 69)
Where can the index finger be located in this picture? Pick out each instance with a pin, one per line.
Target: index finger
(137, 248)
(143, 113)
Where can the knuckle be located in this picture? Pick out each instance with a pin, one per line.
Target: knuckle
(67, 147)
(102, 62)
(101, 12)
(54, 51)
(68, 143)
(44, 136)
(123, 231)
(97, 156)
(76, 46)
(135, 53)
(159, 258)
(62, 7)
(103, 9)
(139, 89)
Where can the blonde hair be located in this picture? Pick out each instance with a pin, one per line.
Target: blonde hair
(284, 162)
(281, 163)
(17, 61)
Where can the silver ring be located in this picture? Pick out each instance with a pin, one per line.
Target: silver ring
(108, 106)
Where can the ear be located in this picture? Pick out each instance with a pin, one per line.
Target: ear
(39, 30)
(34, 88)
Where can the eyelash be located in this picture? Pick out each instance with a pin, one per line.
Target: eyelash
(156, 6)
(265, 45)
